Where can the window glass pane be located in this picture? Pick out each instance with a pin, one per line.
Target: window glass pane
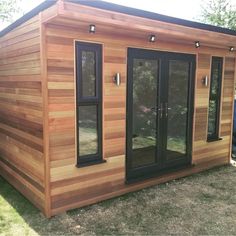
(177, 108)
(145, 77)
(212, 118)
(215, 78)
(88, 135)
(88, 74)
(215, 93)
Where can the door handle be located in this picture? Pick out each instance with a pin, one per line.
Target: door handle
(167, 109)
(160, 109)
(153, 108)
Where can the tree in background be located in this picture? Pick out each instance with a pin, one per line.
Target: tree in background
(8, 8)
(219, 13)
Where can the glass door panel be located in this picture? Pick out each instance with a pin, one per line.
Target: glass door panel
(159, 112)
(144, 130)
(177, 109)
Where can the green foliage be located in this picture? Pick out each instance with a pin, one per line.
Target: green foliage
(145, 86)
(219, 12)
(8, 8)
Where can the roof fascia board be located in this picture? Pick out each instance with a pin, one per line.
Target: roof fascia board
(118, 9)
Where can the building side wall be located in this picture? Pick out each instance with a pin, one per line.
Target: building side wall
(21, 113)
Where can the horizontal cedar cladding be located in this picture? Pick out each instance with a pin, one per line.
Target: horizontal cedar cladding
(21, 114)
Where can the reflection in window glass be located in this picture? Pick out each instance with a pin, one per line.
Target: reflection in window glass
(178, 108)
(88, 136)
(145, 77)
(214, 97)
(88, 74)
(212, 117)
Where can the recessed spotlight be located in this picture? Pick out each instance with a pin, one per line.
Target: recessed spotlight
(92, 29)
(152, 38)
(231, 48)
(197, 44)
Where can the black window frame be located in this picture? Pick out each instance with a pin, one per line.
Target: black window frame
(216, 98)
(96, 100)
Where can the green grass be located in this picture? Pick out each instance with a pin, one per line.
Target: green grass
(202, 204)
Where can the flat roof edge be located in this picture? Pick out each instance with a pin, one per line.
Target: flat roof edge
(120, 9)
(153, 16)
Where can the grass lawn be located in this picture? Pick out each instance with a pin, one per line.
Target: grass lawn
(204, 203)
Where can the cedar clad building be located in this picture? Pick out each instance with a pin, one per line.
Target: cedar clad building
(97, 100)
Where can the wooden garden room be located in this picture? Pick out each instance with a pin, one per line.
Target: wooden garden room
(98, 100)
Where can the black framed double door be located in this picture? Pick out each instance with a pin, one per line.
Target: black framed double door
(159, 112)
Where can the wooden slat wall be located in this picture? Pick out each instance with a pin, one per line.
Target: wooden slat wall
(21, 116)
(66, 179)
(204, 151)
(114, 100)
(72, 187)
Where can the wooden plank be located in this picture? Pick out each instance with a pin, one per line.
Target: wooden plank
(43, 63)
(21, 44)
(21, 112)
(28, 35)
(22, 58)
(19, 65)
(22, 186)
(27, 26)
(230, 66)
(20, 51)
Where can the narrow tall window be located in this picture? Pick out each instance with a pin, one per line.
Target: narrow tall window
(89, 103)
(214, 98)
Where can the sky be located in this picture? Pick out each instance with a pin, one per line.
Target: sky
(185, 9)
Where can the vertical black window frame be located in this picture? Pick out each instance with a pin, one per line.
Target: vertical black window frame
(88, 104)
(215, 99)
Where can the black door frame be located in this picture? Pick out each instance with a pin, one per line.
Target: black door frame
(163, 58)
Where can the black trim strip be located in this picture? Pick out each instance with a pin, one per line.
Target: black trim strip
(121, 9)
(214, 139)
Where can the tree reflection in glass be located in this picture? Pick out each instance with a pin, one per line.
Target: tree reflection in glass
(88, 74)
(88, 136)
(177, 103)
(214, 98)
(145, 78)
